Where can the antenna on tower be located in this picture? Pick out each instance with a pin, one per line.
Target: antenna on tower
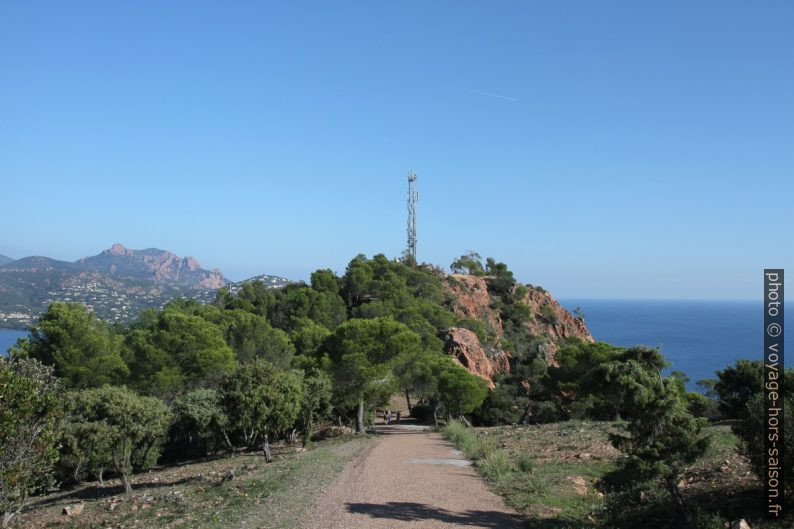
(413, 198)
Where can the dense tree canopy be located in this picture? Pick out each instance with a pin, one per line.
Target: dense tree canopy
(363, 353)
(173, 350)
(84, 350)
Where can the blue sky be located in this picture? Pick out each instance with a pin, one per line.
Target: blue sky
(633, 151)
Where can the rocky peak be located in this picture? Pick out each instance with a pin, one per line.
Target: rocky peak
(190, 263)
(155, 265)
(469, 298)
(117, 249)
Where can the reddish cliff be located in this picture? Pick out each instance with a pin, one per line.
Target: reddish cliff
(464, 346)
(469, 298)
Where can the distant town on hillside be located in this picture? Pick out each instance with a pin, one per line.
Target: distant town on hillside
(117, 283)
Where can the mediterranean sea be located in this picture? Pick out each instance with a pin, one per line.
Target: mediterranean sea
(697, 337)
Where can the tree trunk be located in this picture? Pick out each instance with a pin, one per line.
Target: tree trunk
(228, 442)
(525, 416)
(339, 420)
(101, 477)
(125, 480)
(7, 517)
(360, 417)
(435, 416)
(408, 401)
(676, 491)
(307, 438)
(266, 449)
(464, 420)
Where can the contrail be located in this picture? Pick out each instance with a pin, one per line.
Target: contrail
(506, 98)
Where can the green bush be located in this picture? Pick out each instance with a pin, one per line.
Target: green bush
(544, 412)
(132, 427)
(199, 420)
(498, 408)
(260, 401)
(30, 419)
(548, 314)
(751, 431)
(525, 463)
(422, 412)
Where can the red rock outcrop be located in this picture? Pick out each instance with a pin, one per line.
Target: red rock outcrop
(155, 265)
(560, 324)
(469, 298)
(464, 347)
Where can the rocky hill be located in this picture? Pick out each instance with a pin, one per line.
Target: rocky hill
(118, 283)
(469, 298)
(4, 260)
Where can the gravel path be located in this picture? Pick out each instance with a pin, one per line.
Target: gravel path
(409, 478)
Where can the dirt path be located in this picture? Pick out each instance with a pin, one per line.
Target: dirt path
(409, 478)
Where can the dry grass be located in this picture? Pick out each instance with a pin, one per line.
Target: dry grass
(204, 494)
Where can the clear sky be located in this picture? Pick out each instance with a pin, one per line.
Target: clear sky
(601, 149)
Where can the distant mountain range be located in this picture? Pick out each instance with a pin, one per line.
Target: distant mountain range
(117, 284)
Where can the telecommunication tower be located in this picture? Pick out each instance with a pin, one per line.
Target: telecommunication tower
(413, 198)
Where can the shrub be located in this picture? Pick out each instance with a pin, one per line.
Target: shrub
(198, 422)
(260, 401)
(702, 406)
(499, 407)
(132, 426)
(455, 432)
(544, 412)
(422, 412)
(548, 314)
(737, 385)
(496, 465)
(85, 448)
(30, 420)
(476, 447)
(525, 463)
(661, 437)
(750, 431)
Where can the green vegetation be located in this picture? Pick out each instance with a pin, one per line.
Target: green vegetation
(126, 430)
(568, 475)
(195, 380)
(661, 436)
(261, 401)
(83, 350)
(29, 425)
(362, 353)
(739, 391)
(203, 495)
(469, 263)
(265, 366)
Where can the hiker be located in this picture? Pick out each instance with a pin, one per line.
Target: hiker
(388, 416)
(398, 417)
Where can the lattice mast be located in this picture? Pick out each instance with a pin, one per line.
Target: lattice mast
(413, 198)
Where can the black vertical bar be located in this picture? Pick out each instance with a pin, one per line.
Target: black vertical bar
(773, 392)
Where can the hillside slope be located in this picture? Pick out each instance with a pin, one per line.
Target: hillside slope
(470, 298)
(117, 284)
